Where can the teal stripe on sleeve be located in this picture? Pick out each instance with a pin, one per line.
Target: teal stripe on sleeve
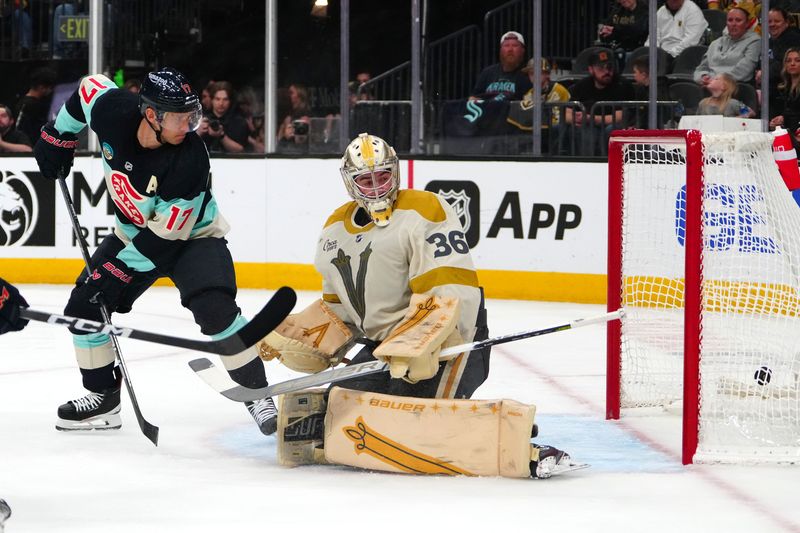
(135, 259)
(66, 123)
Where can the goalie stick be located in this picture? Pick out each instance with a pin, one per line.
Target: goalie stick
(224, 385)
(272, 314)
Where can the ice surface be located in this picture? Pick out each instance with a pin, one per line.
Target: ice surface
(213, 470)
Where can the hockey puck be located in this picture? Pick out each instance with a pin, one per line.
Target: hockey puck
(763, 375)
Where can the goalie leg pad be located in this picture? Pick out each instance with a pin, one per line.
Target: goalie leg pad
(428, 436)
(301, 429)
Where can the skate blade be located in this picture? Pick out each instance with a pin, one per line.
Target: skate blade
(99, 422)
(570, 467)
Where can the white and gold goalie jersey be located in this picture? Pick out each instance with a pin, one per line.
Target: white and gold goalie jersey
(369, 273)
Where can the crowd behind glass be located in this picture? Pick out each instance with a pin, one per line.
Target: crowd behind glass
(709, 62)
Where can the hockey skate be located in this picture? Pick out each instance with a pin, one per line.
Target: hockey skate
(96, 410)
(553, 462)
(265, 414)
(5, 513)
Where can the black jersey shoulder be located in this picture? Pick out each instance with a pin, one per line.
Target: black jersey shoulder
(188, 172)
(115, 110)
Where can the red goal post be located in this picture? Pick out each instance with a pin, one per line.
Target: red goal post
(704, 258)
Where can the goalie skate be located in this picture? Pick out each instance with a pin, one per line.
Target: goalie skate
(553, 462)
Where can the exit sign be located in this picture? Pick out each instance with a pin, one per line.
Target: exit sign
(73, 28)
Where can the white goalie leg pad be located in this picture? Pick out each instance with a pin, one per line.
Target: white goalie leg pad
(428, 436)
(301, 428)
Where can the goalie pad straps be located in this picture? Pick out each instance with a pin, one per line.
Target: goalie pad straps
(301, 420)
(412, 347)
(428, 436)
(309, 341)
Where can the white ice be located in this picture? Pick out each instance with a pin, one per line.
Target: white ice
(213, 470)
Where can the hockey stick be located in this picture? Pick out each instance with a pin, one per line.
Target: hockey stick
(256, 329)
(150, 431)
(220, 382)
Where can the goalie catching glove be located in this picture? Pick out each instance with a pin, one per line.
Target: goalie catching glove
(309, 341)
(412, 348)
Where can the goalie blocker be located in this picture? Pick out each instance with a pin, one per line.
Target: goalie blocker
(414, 435)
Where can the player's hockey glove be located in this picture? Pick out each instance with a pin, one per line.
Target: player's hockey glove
(10, 302)
(106, 284)
(54, 152)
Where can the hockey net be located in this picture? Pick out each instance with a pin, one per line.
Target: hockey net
(704, 257)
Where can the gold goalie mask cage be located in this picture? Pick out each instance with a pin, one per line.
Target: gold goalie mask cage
(371, 174)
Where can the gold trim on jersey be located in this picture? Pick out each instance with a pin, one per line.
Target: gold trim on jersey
(443, 276)
(426, 204)
(331, 298)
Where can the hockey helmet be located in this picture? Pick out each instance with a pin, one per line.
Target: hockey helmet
(168, 91)
(371, 173)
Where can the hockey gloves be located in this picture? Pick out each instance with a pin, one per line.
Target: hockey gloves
(106, 284)
(54, 152)
(412, 347)
(10, 302)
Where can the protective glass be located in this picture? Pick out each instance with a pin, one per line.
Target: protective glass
(374, 184)
(189, 120)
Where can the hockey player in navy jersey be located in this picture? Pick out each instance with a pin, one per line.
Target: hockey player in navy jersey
(167, 225)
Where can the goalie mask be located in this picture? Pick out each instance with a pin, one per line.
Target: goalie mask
(371, 174)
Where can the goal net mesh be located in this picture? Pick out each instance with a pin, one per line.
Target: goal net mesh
(750, 348)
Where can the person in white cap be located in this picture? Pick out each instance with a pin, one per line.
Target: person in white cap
(504, 80)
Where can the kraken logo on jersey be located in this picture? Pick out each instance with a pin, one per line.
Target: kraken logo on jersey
(356, 290)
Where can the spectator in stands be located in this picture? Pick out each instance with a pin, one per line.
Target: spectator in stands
(133, 85)
(751, 7)
(504, 80)
(641, 92)
(736, 53)
(251, 107)
(33, 107)
(641, 81)
(22, 25)
(626, 25)
(781, 38)
(358, 91)
(222, 129)
(784, 106)
(293, 129)
(205, 96)
(11, 140)
(680, 24)
(722, 102)
(603, 84)
(520, 114)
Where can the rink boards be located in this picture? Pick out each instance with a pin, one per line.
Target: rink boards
(537, 229)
